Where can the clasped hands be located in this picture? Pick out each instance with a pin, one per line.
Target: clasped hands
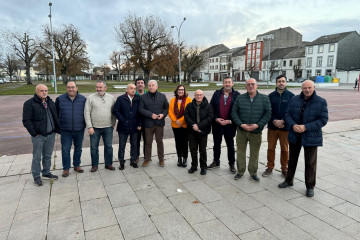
(157, 116)
(249, 127)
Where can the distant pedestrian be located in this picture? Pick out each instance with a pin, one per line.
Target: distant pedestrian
(140, 90)
(356, 83)
(41, 121)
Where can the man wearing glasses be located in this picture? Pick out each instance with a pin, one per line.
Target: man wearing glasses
(251, 112)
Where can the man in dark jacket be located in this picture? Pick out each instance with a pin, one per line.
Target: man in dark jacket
(154, 107)
(199, 115)
(250, 113)
(41, 121)
(277, 127)
(222, 102)
(70, 109)
(129, 122)
(306, 115)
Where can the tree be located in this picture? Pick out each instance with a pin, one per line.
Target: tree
(297, 71)
(105, 70)
(191, 61)
(43, 63)
(10, 64)
(273, 66)
(166, 61)
(70, 50)
(142, 38)
(117, 62)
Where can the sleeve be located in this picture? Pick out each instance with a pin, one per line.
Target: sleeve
(113, 118)
(288, 118)
(87, 113)
(166, 106)
(267, 112)
(117, 110)
(57, 105)
(188, 119)
(27, 118)
(171, 110)
(213, 104)
(321, 120)
(208, 120)
(142, 110)
(234, 113)
(182, 119)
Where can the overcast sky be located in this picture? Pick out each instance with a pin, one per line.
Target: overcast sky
(208, 22)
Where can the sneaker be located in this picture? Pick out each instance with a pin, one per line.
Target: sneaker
(267, 172)
(65, 173)
(238, 176)
(256, 178)
(285, 184)
(309, 192)
(192, 169)
(213, 165)
(38, 181)
(146, 163)
(50, 176)
(232, 168)
(203, 171)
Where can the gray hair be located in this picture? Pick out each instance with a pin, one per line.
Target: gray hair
(101, 81)
(154, 81)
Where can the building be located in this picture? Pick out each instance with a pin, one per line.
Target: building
(238, 64)
(205, 72)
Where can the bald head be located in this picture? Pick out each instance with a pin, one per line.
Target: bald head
(308, 88)
(41, 91)
(131, 89)
(199, 96)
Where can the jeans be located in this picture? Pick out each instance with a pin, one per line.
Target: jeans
(198, 142)
(133, 148)
(181, 142)
(254, 139)
(149, 135)
(273, 136)
(67, 138)
(107, 136)
(218, 132)
(139, 133)
(42, 146)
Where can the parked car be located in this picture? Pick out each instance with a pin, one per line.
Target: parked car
(2, 80)
(301, 79)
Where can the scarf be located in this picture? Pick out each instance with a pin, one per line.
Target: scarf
(182, 106)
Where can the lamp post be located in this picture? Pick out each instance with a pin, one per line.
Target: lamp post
(178, 29)
(52, 48)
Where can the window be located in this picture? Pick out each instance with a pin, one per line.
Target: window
(309, 62)
(319, 62)
(217, 59)
(320, 48)
(264, 65)
(290, 63)
(331, 47)
(310, 50)
(330, 61)
(318, 72)
(308, 72)
(284, 63)
(328, 72)
(258, 45)
(299, 62)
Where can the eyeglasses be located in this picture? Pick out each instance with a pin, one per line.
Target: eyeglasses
(250, 84)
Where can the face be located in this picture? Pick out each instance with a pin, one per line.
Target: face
(181, 91)
(140, 85)
(42, 91)
(199, 96)
(152, 87)
(281, 83)
(251, 86)
(308, 88)
(101, 89)
(71, 89)
(131, 90)
(228, 84)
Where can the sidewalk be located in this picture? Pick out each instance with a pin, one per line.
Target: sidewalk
(169, 203)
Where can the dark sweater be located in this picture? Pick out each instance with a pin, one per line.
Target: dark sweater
(206, 113)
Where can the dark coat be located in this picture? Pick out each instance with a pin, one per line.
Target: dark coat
(279, 104)
(150, 105)
(127, 114)
(71, 113)
(35, 118)
(206, 117)
(315, 117)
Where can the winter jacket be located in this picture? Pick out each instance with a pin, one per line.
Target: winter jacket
(315, 117)
(127, 114)
(246, 112)
(71, 113)
(172, 115)
(279, 104)
(206, 117)
(35, 117)
(149, 105)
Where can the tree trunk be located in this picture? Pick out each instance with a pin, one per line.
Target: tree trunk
(146, 75)
(28, 79)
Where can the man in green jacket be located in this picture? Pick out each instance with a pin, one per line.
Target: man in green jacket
(250, 113)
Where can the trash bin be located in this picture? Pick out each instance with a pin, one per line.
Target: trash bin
(319, 79)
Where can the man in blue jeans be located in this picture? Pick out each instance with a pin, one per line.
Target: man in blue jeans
(70, 108)
(100, 122)
(41, 121)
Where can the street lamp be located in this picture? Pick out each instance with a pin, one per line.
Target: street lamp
(52, 48)
(178, 29)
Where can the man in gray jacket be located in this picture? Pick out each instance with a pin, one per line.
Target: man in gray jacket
(154, 107)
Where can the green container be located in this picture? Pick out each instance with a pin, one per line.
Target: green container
(327, 79)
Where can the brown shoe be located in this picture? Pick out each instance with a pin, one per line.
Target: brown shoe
(162, 163)
(78, 169)
(267, 172)
(284, 173)
(65, 173)
(94, 168)
(146, 163)
(137, 161)
(110, 167)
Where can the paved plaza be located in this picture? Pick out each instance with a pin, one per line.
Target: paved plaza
(170, 203)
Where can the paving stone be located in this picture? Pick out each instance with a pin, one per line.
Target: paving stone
(132, 218)
(181, 174)
(214, 230)
(71, 228)
(9, 179)
(121, 195)
(87, 175)
(91, 189)
(111, 177)
(349, 210)
(244, 184)
(191, 209)
(7, 213)
(344, 182)
(169, 185)
(156, 236)
(259, 234)
(11, 192)
(277, 225)
(345, 194)
(97, 213)
(153, 170)
(64, 206)
(19, 169)
(139, 180)
(202, 191)
(154, 201)
(7, 159)
(107, 233)
(4, 168)
(4, 235)
(272, 186)
(328, 215)
(34, 199)
(318, 228)
(65, 185)
(173, 226)
(352, 230)
(213, 180)
(29, 225)
(233, 218)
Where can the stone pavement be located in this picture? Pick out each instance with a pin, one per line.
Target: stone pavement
(169, 203)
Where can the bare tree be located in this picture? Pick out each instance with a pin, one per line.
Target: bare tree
(117, 62)
(273, 67)
(10, 64)
(105, 70)
(43, 63)
(142, 37)
(191, 61)
(297, 71)
(166, 61)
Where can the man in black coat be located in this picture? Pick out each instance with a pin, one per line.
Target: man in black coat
(41, 121)
(199, 115)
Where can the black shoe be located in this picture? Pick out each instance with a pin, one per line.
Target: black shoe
(122, 166)
(179, 164)
(309, 192)
(134, 165)
(238, 176)
(213, 165)
(203, 171)
(192, 170)
(50, 176)
(38, 181)
(285, 184)
(232, 168)
(255, 177)
(184, 163)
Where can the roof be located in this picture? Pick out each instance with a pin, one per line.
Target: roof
(212, 47)
(333, 38)
(238, 51)
(219, 53)
(276, 30)
(279, 53)
(298, 52)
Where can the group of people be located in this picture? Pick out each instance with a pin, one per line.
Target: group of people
(295, 121)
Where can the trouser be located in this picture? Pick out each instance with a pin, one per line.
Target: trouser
(149, 135)
(139, 133)
(218, 132)
(107, 136)
(181, 142)
(272, 137)
(67, 138)
(42, 149)
(310, 155)
(122, 143)
(254, 139)
(198, 142)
